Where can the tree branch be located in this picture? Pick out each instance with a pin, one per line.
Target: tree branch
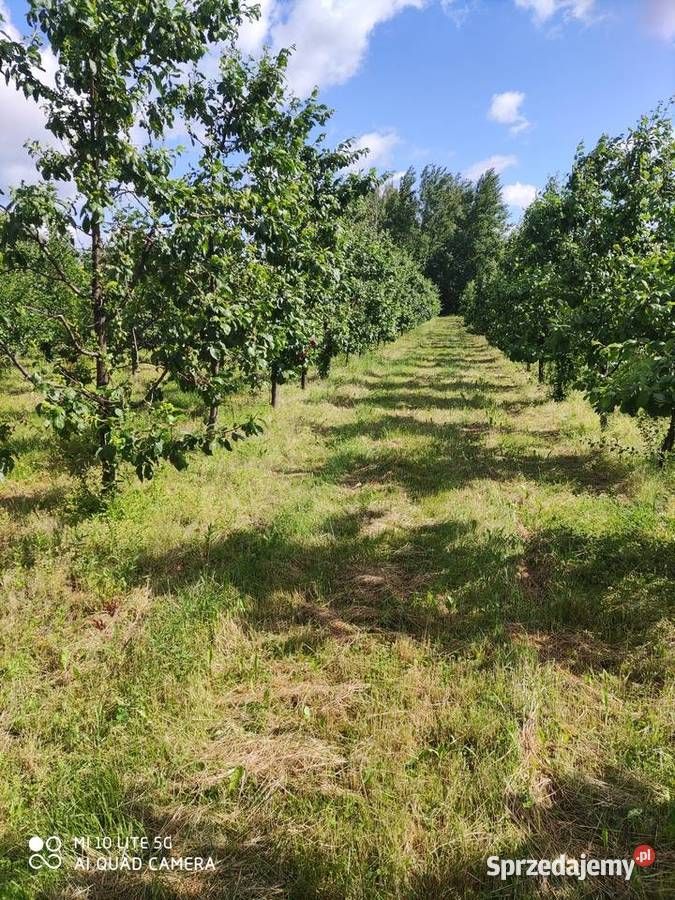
(59, 317)
(95, 398)
(15, 362)
(62, 275)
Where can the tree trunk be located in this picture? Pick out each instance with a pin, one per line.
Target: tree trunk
(108, 467)
(528, 367)
(214, 410)
(275, 392)
(604, 421)
(541, 371)
(100, 315)
(134, 352)
(211, 422)
(98, 305)
(303, 380)
(668, 441)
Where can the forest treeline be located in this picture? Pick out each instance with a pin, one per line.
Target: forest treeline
(583, 287)
(129, 265)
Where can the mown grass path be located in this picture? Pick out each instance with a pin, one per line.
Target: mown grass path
(422, 621)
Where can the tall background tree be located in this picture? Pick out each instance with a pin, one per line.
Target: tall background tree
(452, 227)
(400, 215)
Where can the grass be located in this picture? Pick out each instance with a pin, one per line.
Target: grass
(422, 621)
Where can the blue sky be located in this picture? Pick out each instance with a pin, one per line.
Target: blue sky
(458, 82)
(431, 84)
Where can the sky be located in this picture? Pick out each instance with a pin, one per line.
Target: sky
(467, 84)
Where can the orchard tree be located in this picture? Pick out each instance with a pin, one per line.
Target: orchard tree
(622, 277)
(217, 320)
(29, 296)
(381, 292)
(250, 250)
(530, 323)
(587, 281)
(302, 256)
(119, 69)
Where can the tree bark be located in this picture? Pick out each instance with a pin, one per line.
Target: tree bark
(108, 467)
(668, 442)
(275, 392)
(303, 380)
(214, 409)
(134, 352)
(100, 313)
(541, 371)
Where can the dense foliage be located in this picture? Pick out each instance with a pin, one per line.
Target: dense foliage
(583, 287)
(131, 265)
(586, 283)
(381, 292)
(451, 226)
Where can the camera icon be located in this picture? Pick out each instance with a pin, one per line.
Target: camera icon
(45, 853)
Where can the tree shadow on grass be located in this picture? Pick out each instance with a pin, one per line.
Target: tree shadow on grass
(439, 381)
(415, 399)
(23, 502)
(452, 456)
(605, 817)
(250, 864)
(584, 602)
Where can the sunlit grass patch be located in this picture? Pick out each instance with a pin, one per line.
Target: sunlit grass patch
(419, 622)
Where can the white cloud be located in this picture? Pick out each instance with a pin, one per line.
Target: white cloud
(253, 34)
(520, 195)
(458, 10)
(544, 10)
(661, 18)
(379, 146)
(22, 119)
(506, 109)
(497, 162)
(331, 37)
